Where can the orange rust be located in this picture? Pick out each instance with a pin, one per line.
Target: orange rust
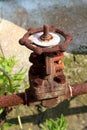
(58, 57)
(59, 66)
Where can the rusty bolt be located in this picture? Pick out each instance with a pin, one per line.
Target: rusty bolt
(46, 36)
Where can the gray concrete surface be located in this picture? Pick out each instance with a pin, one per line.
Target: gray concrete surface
(9, 43)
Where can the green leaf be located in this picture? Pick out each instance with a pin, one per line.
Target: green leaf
(58, 124)
(7, 125)
(10, 82)
(1, 110)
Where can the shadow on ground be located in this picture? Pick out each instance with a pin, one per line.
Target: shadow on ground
(51, 113)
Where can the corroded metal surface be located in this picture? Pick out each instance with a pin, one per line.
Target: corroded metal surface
(11, 100)
(48, 85)
(46, 76)
(25, 98)
(39, 50)
(78, 89)
(46, 35)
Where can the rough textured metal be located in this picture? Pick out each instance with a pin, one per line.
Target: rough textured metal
(48, 85)
(25, 98)
(78, 89)
(46, 35)
(46, 76)
(11, 100)
(39, 50)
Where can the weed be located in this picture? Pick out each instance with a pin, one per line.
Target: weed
(10, 82)
(58, 124)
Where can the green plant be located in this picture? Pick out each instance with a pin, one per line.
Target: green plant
(10, 82)
(6, 126)
(58, 124)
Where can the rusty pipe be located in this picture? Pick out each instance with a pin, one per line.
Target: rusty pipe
(79, 89)
(12, 100)
(23, 98)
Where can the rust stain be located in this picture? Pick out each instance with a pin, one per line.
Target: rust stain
(48, 85)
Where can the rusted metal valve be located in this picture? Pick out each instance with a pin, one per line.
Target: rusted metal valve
(48, 85)
(46, 74)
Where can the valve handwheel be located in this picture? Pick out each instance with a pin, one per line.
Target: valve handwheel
(41, 40)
